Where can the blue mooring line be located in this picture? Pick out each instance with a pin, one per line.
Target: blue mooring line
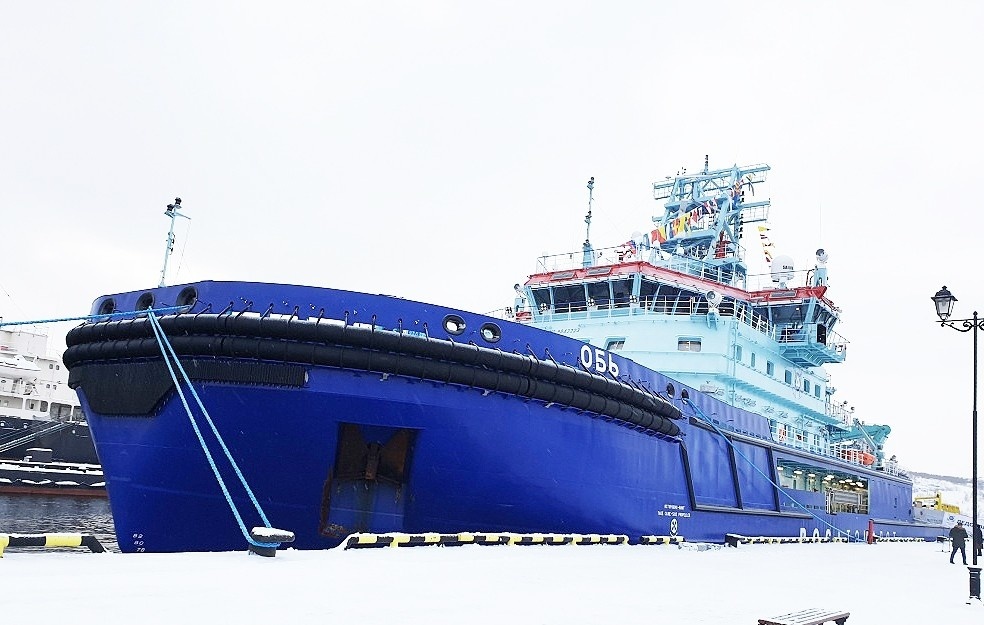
(101, 317)
(166, 347)
(705, 419)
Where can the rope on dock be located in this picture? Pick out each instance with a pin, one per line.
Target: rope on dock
(262, 540)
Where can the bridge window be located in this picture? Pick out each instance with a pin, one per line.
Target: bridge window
(816, 390)
(541, 297)
(599, 293)
(688, 344)
(621, 291)
(647, 292)
(770, 368)
(789, 377)
(569, 298)
(806, 386)
(752, 361)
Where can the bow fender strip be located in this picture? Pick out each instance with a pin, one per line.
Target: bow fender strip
(281, 348)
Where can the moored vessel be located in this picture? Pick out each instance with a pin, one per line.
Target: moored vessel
(39, 474)
(932, 509)
(37, 407)
(642, 389)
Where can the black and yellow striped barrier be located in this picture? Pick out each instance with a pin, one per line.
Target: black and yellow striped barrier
(358, 541)
(733, 540)
(50, 540)
(661, 540)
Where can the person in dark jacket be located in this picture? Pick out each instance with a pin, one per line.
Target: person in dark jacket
(958, 537)
(978, 540)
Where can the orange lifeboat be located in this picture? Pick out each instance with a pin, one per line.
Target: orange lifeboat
(857, 456)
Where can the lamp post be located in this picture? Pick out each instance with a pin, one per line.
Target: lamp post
(944, 301)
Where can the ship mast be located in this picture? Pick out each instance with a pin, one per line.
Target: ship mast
(588, 256)
(704, 217)
(172, 212)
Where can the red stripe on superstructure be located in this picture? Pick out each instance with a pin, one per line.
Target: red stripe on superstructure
(660, 273)
(685, 279)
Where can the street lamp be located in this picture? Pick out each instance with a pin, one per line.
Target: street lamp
(944, 301)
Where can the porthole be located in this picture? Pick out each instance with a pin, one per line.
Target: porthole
(490, 332)
(145, 301)
(454, 325)
(670, 390)
(107, 307)
(187, 297)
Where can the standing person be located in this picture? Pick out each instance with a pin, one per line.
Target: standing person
(978, 540)
(958, 536)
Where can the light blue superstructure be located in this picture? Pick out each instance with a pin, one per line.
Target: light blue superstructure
(678, 299)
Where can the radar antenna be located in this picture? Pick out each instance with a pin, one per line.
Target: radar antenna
(588, 256)
(172, 212)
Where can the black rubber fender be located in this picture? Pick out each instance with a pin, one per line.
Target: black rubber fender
(366, 348)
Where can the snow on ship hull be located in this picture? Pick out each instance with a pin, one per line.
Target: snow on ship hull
(331, 448)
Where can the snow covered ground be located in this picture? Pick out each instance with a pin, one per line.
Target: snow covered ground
(887, 583)
(882, 583)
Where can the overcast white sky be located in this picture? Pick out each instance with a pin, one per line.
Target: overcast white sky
(432, 150)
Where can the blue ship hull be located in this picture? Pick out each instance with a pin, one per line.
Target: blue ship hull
(341, 448)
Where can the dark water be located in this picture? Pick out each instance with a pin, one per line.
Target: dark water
(41, 514)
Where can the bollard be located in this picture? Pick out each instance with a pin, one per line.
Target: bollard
(272, 537)
(975, 582)
(871, 531)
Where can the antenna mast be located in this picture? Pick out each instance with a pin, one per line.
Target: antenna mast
(172, 212)
(588, 256)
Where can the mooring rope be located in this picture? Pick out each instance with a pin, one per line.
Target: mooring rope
(166, 347)
(705, 419)
(100, 317)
